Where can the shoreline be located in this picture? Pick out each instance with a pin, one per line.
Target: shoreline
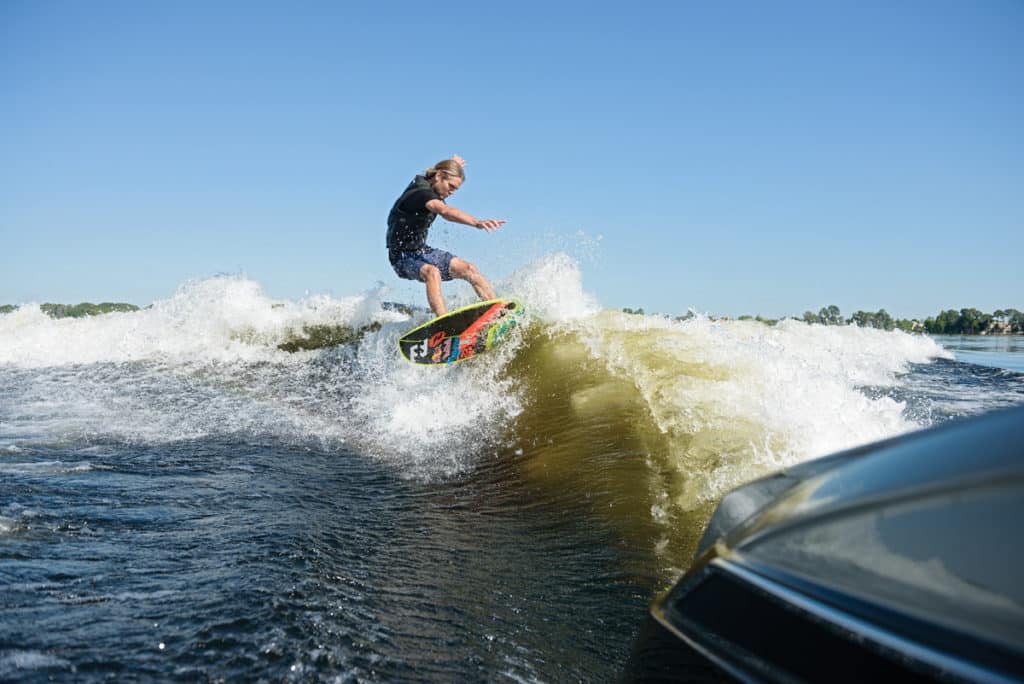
(981, 334)
(827, 316)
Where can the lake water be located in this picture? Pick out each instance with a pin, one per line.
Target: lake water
(998, 351)
(182, 500)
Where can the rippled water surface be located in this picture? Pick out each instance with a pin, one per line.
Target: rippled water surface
(182, 500)
(227, 559)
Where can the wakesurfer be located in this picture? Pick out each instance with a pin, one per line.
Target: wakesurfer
(409, 222)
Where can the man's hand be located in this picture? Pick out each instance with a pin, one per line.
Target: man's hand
(490, 225)
(459, 160)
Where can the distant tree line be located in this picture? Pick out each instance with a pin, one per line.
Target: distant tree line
(973, 322)
(76, 310)
(881, 319)
(950, 322)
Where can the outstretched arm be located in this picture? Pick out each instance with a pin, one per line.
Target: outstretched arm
(456, 215)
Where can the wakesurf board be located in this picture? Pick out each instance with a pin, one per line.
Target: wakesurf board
(460, 334)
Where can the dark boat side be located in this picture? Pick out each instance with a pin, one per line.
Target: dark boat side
(899, 559)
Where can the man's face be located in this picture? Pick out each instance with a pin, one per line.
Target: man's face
(444, 187)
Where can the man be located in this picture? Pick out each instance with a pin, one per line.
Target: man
(408, 225)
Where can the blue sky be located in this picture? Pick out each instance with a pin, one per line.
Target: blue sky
(733, 157)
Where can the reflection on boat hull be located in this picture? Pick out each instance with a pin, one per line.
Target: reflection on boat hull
(900, 559)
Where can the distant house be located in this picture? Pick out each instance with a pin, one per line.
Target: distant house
(998, 328)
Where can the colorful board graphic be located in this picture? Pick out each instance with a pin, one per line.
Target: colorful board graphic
(460, 334)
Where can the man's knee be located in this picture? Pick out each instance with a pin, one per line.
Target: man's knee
(430, 273)
(465, 271)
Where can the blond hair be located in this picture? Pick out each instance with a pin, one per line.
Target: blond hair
(447, 169)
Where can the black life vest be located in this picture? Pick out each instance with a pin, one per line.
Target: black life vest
(408, 228)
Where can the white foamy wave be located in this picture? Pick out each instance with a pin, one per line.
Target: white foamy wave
(434, 421)
(219, 319)
(46, 468)
(438, 420)
(15, 518)
(740, 399)
(552, 288)
(736, 396)
(207, 366)
(19, 663)
(806, 381)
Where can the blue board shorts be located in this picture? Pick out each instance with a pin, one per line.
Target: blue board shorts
(408, 264)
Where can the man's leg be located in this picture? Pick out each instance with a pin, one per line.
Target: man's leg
(460, 268)
(432, 277)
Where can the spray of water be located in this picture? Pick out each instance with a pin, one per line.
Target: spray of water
(663, 415)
